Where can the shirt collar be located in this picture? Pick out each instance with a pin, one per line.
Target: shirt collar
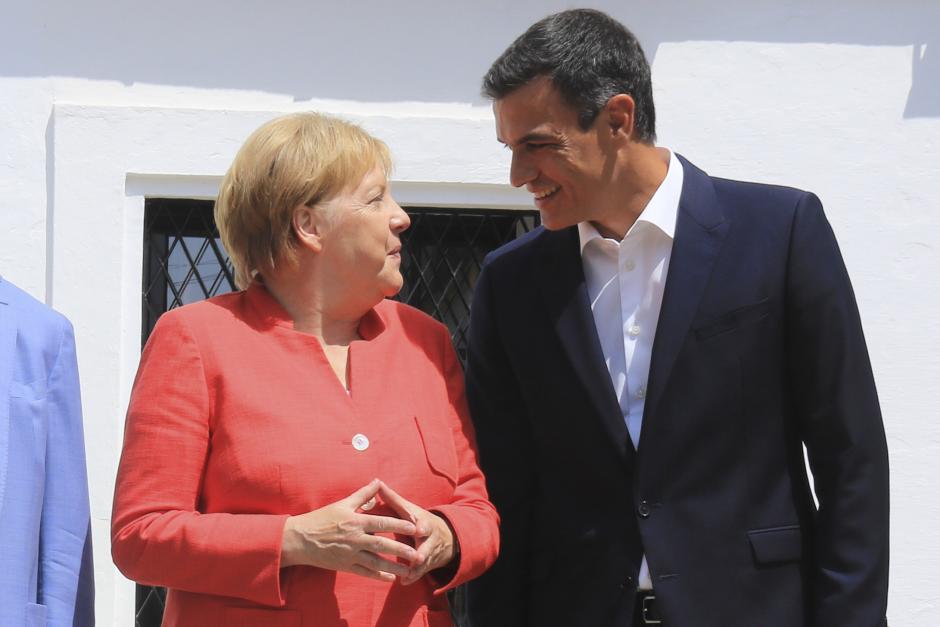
(660, 211)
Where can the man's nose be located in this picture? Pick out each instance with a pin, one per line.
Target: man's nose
(521, 170)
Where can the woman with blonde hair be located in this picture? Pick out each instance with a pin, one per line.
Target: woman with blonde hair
(299, 452)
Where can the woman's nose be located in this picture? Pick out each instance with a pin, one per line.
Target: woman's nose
(400, 219)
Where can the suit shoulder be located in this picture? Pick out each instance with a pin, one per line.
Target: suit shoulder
(743, 199)
(763, 196)
(31, 313)
(520, 248)
(206, 314)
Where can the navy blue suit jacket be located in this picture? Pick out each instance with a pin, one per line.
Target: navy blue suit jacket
(758, 351)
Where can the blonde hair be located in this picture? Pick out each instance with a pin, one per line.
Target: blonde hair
(298, 159)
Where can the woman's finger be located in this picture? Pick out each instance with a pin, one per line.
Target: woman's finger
(422, 562)
(377, 563)
(387, 546)
(414, 575)
(385, 524)
(362, 496)
(402, 506)
(371, 574)
(423, 554)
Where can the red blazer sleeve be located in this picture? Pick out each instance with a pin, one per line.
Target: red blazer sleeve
(158, 536)
(470, 513)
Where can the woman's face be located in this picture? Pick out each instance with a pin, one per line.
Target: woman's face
(360, 237)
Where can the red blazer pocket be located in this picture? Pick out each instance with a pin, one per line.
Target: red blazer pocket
(438, 446)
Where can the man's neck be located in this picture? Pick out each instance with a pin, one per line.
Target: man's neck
(641, 175)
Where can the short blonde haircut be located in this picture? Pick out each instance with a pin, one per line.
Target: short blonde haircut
(293, 160)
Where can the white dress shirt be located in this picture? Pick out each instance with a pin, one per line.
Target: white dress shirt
(625, 282)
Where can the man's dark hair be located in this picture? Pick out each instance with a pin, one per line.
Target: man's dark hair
(589, 57)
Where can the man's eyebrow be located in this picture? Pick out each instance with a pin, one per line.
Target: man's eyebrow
(530, 137)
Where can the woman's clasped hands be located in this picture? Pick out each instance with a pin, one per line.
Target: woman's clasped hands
(343, 536)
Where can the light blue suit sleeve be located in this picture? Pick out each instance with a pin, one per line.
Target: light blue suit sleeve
(66, 584)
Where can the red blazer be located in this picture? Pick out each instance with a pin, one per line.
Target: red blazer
(237, 421)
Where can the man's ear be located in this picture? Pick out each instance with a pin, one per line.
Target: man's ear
(308, 227)
(621, 114)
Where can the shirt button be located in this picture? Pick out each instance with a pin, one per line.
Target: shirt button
(641, 393)
(629, 265)
(643, 509)
(360, 442)
(634, 330)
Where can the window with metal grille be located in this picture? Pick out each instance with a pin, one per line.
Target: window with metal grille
(442, 252)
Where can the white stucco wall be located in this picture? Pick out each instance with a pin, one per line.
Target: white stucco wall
(104, 103)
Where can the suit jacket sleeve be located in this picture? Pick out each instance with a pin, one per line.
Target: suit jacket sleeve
(470, 513)
(841, 423)
(158, 535)
(67, 584)
(500, 596)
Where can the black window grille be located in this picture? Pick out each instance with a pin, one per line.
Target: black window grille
(443, 250)
(184, 260)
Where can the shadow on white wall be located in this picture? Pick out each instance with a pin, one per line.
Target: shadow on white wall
(415, 50)
(924, 99)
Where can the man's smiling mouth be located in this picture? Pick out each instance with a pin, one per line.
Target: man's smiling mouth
(546, 192)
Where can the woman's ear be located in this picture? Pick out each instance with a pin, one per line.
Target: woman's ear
(308, 227)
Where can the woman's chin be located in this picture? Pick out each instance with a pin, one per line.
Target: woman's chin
(392, 285)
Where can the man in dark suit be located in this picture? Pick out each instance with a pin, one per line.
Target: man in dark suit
(645, 370)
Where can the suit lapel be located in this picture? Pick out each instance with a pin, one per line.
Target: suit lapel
(700, 233)
(7, 350)
(568, 307)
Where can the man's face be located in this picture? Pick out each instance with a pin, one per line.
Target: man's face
(567, 169)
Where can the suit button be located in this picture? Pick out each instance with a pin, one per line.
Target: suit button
(643, 510)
